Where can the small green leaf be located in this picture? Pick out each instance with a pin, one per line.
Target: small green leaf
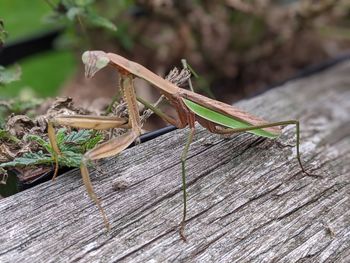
(70, 159)
(73, 12)
(60, 136)
(77, 137)
(40, 141)
(29, 159)
(100, 21)
(93, 141)
(9, 75)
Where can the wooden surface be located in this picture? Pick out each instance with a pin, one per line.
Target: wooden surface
(248, 200)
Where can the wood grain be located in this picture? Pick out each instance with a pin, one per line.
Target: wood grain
(248, 200)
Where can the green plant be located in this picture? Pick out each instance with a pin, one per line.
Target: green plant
(79, 11)
(7, 75)
(73, 145)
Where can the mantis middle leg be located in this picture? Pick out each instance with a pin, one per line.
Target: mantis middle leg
(183, 170)
(190, 119)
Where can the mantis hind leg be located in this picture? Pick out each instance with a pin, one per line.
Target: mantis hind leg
(115, 145)
(268, 125)
(183, 169)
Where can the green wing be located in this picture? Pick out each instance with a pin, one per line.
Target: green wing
(224, 120)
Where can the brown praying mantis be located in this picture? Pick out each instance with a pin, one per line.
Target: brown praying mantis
(190, 107)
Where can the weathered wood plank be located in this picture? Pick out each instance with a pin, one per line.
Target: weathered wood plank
(248, 201)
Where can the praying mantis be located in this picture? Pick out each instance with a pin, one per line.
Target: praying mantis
(215, 116)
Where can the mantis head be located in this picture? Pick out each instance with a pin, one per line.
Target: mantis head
(94, 61)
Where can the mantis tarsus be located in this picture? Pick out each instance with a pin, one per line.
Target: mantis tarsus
(215, 116)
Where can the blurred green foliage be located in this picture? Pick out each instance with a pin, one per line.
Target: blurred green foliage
(42, 74)
(23, 18)
(79, 10)
(232, 43)
(9, 75)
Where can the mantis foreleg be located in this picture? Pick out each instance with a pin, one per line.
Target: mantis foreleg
(115, 145)
(84, 122)
(109, 148)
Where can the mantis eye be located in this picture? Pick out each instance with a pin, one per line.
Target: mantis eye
(85, 57)
(94, 61)
(102, 62)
